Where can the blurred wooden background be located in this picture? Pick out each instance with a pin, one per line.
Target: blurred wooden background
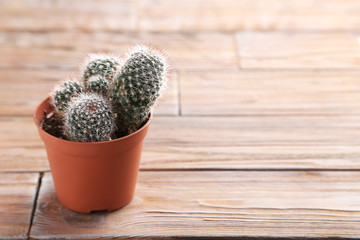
(257, 136)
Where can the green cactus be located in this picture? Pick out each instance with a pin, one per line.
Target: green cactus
(99, 84)
(100, 65)
(137, 86)
(62, 94)
(87, 109)
(89, 118)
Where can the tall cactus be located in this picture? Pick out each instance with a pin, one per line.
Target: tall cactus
(137, 86)
(62, 94)
(89, 118)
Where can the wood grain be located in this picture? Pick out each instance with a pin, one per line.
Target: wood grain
(17, 194)
(264, 142)
(263, 93)
(203, 204)
(89, 15)
(21, 91)
(187, 15)
(230, 153)
(66, 50)
(230, 15)
(298, 50)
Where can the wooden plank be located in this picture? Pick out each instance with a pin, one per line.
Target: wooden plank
(263, 142)
(89, 15)
(168, 204)
(21, 91)
(61, 50)
(270, 142)
(187, 15)
(230, 15)
(270, 93)
(298, 50)
(17, 194)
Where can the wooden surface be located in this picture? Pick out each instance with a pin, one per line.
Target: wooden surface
(17, 196)
(269, 93)
(66, 50)
(185, 15)
(258, 135)
(183, 203)
(257, 142)
(298, 50)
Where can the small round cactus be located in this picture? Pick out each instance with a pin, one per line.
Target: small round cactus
(99, 84)
(89, 118)
(100, 65)
(138, 85)
(63, 93)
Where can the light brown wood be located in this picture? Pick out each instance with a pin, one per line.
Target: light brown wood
(229, 15)
(287, 142)
(298, 50)
(253, 143)
(263, 101)
(17, 195)
(271, 93)
(168, 103)
(203, 204)
(66, 50)
(89, 15)
(21, 91)
(187, 15)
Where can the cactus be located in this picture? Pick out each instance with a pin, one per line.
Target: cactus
(62, 94)
(98, 83)
(89, 118)
(87, 109)
(137, 86)
(100, 65)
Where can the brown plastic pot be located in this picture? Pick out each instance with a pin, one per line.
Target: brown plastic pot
(93, 176)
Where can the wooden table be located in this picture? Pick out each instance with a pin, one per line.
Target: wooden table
(258, 135)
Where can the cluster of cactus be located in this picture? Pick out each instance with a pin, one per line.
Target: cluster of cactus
(111, 99)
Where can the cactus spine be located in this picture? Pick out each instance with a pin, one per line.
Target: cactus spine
(89, 118)
(137, 86)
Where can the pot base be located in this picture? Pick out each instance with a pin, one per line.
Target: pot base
(87, 210)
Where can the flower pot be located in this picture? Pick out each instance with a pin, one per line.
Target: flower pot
(92, 176)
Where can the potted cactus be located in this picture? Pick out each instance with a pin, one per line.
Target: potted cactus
(93, 128)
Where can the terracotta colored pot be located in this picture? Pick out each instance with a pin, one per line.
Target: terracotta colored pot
(93, 176)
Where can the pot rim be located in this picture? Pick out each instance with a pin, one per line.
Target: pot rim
(47, 100)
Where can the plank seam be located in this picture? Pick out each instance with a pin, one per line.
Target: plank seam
(223, 170)
(192, 31)
(249, 170)
(41, 174)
